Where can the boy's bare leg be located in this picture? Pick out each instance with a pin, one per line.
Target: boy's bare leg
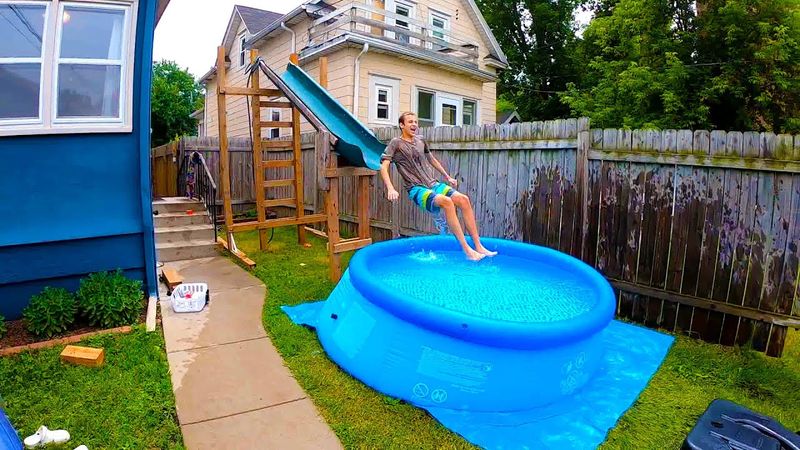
(463, 202)
(449, 208)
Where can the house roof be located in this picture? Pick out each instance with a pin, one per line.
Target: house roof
(486, 32)
(315, 6)
(256, 19)
(160, 7)
(310, 7)
(507, 116)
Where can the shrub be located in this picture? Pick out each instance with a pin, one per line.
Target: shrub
(50, 312)
(3, 329)
(109, 299)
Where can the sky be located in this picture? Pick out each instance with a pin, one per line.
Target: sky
(190, 30)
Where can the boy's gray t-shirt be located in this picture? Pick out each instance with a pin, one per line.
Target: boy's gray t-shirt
(412, 161)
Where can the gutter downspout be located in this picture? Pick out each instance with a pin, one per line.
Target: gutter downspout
(294, 37)
(357, 79)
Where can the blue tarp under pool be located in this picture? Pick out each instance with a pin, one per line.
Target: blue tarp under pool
(580, 421)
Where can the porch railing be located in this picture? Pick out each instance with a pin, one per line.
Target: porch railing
(204, 187)
(388, 26)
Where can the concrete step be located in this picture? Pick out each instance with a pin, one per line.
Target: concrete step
(180, 219)
(177, 204)
(168, 235)
(177, 251)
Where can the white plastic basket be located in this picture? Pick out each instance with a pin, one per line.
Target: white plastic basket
(189, 297)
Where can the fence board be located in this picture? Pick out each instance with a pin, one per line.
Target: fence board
(700, 214)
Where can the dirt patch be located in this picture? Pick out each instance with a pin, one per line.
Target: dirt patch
(18, 333)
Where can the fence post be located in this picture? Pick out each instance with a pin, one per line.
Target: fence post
(582, 181)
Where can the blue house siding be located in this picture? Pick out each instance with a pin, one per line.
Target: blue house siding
(72, 204)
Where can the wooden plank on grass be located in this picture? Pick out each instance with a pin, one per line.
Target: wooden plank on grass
(83, 356)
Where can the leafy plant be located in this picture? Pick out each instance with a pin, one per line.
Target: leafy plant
(3, 329)
(50, 312)
(109, 299)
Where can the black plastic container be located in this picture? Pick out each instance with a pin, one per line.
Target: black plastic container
(728, 426)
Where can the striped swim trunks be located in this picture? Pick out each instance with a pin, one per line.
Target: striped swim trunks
(423, 196)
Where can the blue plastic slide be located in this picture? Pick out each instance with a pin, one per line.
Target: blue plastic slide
(357, 144)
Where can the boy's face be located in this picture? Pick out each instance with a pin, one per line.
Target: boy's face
(410, 124)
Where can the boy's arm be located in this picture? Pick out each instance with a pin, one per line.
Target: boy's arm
(438, 166)
(387, 180)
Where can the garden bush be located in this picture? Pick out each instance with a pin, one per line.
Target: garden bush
(50, 312)
(109, 300)
(3, 329)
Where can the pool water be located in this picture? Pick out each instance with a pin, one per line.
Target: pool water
(501, 288)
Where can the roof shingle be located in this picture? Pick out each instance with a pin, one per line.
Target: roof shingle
(257, 19)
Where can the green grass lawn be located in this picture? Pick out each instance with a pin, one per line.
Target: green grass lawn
(125, 404)
(693, 374)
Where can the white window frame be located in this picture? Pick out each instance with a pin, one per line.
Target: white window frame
(31, 60)
(393, 86)
(434, 14)
(475, 114)
(441, 97)
(415, 103)
(391, 6)
(242, 57)
(48, 123)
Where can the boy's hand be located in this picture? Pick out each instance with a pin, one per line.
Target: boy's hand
(452, 181)
(393, 195)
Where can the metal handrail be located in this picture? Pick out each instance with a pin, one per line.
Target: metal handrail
(205, 187)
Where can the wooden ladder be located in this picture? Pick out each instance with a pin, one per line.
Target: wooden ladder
(265, 98)
(295, 162)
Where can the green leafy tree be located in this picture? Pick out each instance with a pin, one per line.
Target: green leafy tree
(175, 96)
(726, 64)
(752, 52)
(637, 72)
(537, 36)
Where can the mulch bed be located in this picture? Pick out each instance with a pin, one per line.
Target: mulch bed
(18, 333)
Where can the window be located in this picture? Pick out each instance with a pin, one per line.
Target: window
(242, 55)
(470, 109)
(275, 116)
(443, 109)
(382, 107)
(406, 10)
(425, 109)
(65, 66)
(384, 100)
(21, 48)
(440, 27)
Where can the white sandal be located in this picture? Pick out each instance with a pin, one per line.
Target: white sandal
(44, 436)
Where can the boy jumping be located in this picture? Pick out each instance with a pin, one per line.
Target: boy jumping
(414, 161)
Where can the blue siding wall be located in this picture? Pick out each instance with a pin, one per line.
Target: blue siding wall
(79, 203)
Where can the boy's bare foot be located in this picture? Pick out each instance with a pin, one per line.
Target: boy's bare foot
(482, 250)
(472, 255)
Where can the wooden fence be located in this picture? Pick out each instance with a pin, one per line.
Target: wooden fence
(164, 169)
(697, 231)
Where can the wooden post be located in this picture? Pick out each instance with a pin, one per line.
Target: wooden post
(224, 160)
(331, 196)
(582, 183)
(323, 72)
(300, 206)
(258, 179)
(363, 207)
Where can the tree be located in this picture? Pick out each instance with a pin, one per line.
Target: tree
(724, 64)
(752, 49)
(175, 96)
(537, 36)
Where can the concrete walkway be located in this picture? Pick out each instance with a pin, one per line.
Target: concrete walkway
(232, 390)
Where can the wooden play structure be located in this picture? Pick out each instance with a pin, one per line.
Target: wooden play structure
(328, 176)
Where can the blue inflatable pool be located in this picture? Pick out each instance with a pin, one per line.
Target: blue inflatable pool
(413, 319)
